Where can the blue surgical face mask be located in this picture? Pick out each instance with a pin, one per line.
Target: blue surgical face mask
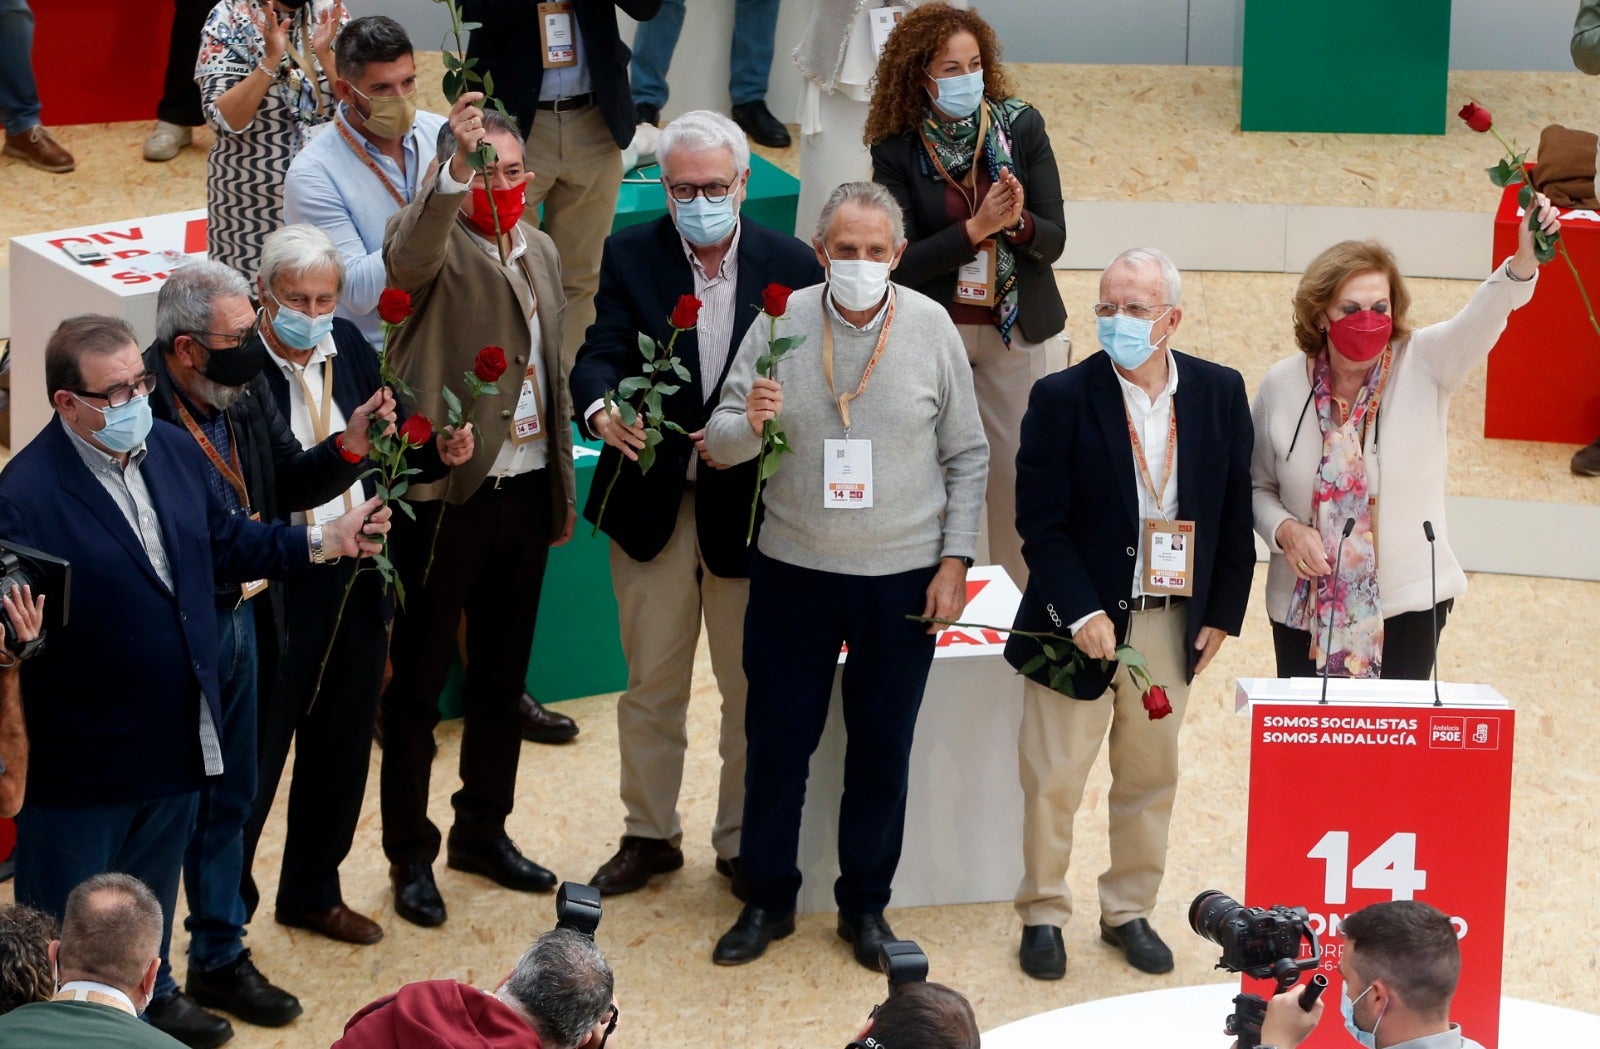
(958, 96)
(298, 330)
(703, 223)
(1348, 1009)
(1126, 339)
(127, 425)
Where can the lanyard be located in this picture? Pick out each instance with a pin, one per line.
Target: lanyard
(229, 470)
(308, 68)
(371, 164)
(827, 361)
(968, 184)
(321, 415)
(1144, 464)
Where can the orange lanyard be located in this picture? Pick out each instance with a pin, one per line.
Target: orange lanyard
(230, 470)
(827, 360)
(1144, 464)
(366, 159)
(968, 185)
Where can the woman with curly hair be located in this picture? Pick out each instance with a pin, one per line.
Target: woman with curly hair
(973, 171)
(26, 974)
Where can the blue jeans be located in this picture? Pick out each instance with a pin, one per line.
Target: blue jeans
(755, 23)
(214, 861)
(60, 846)
(19, 96)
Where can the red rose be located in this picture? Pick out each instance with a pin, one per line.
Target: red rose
(685, 313)
(417, 430)
(394, 306)
(1477, 118)
(775, 299)
(490, 363)
(1155, 703)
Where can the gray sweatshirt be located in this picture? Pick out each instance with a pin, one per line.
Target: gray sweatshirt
(930, 461)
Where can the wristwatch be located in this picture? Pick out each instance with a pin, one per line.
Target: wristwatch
(969, 562)
(319, 555)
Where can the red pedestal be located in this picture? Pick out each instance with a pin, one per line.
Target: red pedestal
(1544, 375)
(1352, 805)
(99, 61)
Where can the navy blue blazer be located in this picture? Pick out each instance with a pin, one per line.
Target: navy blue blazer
(642, 274)
(113, 700)
(1078, 504)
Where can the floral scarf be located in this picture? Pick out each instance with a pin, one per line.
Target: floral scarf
(955, 143)
(1348, 597)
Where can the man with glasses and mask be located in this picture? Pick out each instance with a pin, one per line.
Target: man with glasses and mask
(873, 518)
(207, 361)
(1120, 454)
(126, 714)
(350, 180)
(678, 549)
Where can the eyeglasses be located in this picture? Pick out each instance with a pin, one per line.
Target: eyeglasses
(118, 396)
(611, 1025)
(1137, 310)
(714, 192)
(233, 339)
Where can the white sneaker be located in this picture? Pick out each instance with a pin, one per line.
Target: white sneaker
(166, 140)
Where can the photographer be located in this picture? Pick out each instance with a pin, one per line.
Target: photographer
(1400, 966)
(921, 1016)
(25, 613)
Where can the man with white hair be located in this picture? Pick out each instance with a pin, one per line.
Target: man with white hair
(872, 519)
(1121, 456)
(677, 533)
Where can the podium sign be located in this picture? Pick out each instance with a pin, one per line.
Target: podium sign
(1380, 795)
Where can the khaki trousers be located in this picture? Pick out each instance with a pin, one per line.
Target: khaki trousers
(660, 603)
(577, 171)
(1003, 378)
(1057, 746)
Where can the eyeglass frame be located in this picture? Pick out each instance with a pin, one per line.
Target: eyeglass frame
(240, 337)
(1126, 310)
(700, 191)
(611, 1025)
(147, 381)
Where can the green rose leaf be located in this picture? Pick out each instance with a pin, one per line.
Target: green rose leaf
(629, 415)
(1032, 665)
(647, 346)
(631, 385)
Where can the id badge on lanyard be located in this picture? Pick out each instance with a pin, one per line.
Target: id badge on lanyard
(557, 42)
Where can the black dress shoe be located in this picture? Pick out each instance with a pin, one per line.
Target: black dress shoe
(498, 860)
(416, 897)
(176, 1014)
(645, 113)
(635, 863)
(729, 868)
(748, 938)
(544, 726)
(239, 988)
(1140, 945)
(762, 127)
(1043, 954)
(866, 933)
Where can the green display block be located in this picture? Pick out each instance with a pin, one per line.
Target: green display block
(772, 201)
(1362, 66)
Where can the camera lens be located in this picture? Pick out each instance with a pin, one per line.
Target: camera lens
(1209, 911)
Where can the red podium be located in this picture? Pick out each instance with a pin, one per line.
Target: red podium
(1380, 795)
(1544, 374)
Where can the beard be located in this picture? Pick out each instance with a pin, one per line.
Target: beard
(217, 396)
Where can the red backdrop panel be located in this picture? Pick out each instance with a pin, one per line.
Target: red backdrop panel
(99, 61)
(1357, 805)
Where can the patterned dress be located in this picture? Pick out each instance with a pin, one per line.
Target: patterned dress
(246, 168)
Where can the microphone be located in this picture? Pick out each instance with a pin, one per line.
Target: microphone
(1327, 648)
(1433, 580)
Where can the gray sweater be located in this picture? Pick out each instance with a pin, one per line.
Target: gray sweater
(930, 461)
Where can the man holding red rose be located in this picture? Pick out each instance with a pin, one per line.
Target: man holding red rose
(678, 549)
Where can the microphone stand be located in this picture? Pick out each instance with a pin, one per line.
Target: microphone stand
(1433, 580)
(1327, 648)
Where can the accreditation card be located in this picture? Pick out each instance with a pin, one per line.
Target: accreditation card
(556, 41)
(1168, 557)
(528, 424)
(846, 474)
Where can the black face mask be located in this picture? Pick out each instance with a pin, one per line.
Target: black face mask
(236, 365)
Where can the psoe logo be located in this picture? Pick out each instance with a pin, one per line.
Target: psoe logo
(1482, 734)
(1445, 733)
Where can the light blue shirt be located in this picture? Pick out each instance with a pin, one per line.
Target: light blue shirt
(568, 80)
(332, 188)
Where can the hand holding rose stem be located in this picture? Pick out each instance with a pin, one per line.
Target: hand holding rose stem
(487, 368)
(774, 442)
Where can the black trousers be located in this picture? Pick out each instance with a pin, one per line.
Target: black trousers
(180, 95)
(332, 736)
(490, 565)
(796, 621)
(1408, 646)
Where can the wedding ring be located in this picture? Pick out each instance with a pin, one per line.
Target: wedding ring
(1303, 566)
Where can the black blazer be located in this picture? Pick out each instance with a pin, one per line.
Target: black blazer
(642, 273)
(938, 247)
(507, 46)
(113, 700)
(1078, 508)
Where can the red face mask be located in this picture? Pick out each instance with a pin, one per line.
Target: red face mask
(1362, 335)
(511, 203)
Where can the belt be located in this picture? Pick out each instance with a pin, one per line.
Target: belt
(568, 104)
(1146, 603)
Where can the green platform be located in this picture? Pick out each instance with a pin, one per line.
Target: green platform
(1359, 66)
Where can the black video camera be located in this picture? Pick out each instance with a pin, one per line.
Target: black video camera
(21, 566)
(1262, 943)
(578, 908)
(903, 962)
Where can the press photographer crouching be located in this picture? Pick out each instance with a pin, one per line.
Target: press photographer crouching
(917, 1014)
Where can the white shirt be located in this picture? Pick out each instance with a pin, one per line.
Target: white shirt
(79, 990)
(305, 416)
(1151, 420)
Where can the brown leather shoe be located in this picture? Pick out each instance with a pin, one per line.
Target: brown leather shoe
(545, 726)
(39, 148)
(336, 923)
(634, 864)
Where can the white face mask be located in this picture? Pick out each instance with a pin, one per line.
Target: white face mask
(857, 284)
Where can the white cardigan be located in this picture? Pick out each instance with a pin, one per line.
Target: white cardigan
(1408, 450)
